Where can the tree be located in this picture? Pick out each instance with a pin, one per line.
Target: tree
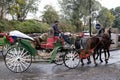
(116, 13)
(75, 10)
(20, 8)
(3, 8)
(49, 15)
(106, 18)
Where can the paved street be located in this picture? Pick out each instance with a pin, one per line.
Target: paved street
(46, 71)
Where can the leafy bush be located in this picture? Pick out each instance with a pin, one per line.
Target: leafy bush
(33, 26)
(67, 27)
(3, 25)
(28, 26)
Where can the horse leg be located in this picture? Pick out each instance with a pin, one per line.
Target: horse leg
(89, 61)
(108, 54)
(94, 59)
(82, 62)
(100, 55)
(97, 54)
(105, 56)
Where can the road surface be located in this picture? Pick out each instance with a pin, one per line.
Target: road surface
(47, 71)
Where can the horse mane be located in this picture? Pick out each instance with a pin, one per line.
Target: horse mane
(107, 33)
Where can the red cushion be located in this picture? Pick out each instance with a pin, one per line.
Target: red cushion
(49, 44)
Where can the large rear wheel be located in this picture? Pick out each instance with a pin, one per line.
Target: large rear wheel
(71, 59)
(18, 59)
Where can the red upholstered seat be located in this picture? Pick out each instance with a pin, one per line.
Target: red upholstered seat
(49, 44)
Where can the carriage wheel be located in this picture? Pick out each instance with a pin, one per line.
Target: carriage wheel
(4, 49)
(18, 59)
(59, 57)
(71, 59)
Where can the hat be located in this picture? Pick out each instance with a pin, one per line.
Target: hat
(56, 21)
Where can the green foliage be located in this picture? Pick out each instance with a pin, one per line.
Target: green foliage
(116, 13)
(76, 10)
(3, 8)
(66, 27)
(20, 8)
(29, 26)
(2, 26)
(106, 18)
(33, 26)
(50, 15)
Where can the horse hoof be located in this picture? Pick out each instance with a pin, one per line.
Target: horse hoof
(106, 59)
(106, 62)
(89, 62)
(96, 58)
(82, 64)
(96, 65)
(101, 61)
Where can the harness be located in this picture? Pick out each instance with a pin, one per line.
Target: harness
(85, 54)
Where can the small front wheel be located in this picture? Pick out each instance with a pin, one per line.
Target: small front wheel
(18, 59)
(59, 57)
(71, 59)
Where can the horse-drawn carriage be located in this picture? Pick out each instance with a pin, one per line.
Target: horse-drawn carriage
(18, 54)
(18, 50)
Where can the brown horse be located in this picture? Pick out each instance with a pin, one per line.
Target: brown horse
(92, 44)
(86, 46)
(98, 44)
(105, 45)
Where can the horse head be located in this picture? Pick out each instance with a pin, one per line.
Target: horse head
(107, 32)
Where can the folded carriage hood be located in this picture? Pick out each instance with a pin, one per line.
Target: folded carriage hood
(20, 35)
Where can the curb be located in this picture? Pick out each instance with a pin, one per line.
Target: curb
(113, 49)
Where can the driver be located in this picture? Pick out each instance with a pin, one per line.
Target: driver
(57, 33)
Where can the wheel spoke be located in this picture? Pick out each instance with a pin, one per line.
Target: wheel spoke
(10, 64)
(17, 67)
(9, 60)
(24, 64)
(21, 67)
(14, 65)
(24, 53)
(27, 56)
(11, 55)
